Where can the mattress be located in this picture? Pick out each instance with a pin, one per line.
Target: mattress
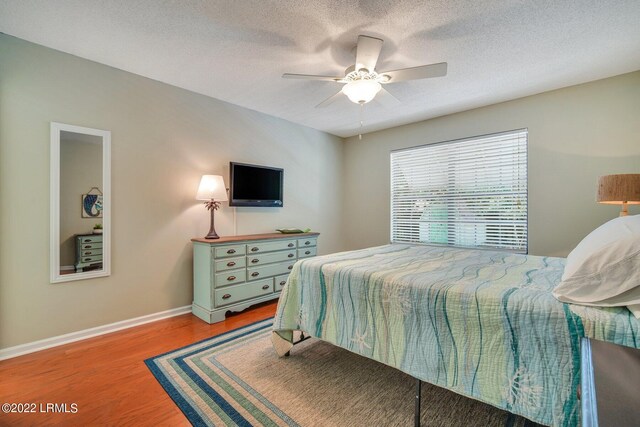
(481, 323)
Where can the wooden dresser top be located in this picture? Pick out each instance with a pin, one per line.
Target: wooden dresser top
(267, 236)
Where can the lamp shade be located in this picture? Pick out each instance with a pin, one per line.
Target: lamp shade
(212, 188)
(361, 91)
(619, 189)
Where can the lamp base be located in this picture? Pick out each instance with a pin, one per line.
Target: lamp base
(624, 210)
(212, 230)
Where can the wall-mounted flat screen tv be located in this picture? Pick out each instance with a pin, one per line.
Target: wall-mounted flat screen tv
(253, 185)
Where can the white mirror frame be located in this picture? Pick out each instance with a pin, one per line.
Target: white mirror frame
(56, 129)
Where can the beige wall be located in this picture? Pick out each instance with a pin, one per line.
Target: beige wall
(575, 135)
(163, 140)
(80, 170)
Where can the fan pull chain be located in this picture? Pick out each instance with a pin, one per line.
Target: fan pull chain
(361, 120)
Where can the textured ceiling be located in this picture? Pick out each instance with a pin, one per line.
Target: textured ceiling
(237, 50)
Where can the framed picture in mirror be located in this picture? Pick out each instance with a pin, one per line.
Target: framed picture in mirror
(92, 204)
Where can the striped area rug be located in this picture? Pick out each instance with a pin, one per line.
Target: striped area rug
(236, 379)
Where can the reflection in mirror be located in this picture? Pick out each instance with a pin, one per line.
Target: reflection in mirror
(79, 202)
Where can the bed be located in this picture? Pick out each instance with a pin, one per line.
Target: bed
(481, 323)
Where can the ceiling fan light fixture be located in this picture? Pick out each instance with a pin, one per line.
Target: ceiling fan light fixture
(361, 91)
(361, 80)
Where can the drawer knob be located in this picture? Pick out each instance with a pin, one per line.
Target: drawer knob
(255, 274)
(231, 263)
(290, 267)
(231, 278)
(255, 249)
(87, 259)
(226, 296)
(231, 251)
(265, 287)
(307, 252)
(88, 247)
(283, 283)
(307, 242)
(88, 240)
(255, 260)
(87, 253)
(290, 245)
(291, 255)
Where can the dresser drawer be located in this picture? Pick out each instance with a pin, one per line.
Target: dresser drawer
(91, 239)
(268, 258)
(309, 241)
(230, 263)
(243, 292)
(229, 250)
(91, 259)
(307, 252)
(277, 245)
(229, 278)
(280, 281)
(254, 273)
(94, 245)
(91, 252)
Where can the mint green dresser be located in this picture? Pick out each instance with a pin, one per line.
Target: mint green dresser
(233, 273)
(88, 251)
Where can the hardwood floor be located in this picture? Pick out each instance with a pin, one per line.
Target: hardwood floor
(106, 376)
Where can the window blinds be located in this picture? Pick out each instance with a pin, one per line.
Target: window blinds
(464, 193)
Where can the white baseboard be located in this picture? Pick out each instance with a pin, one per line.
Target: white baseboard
(19, 350)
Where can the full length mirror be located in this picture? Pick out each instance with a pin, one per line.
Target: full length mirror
(80, 203)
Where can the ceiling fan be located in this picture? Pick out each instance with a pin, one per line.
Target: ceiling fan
(362, 82)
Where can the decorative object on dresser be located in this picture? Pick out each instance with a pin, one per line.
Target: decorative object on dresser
(88, 251)
(622, 189)
(213, 191)
(292, 230)
(233, 273)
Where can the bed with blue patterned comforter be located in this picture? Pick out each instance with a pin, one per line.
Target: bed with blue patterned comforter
(481, 323)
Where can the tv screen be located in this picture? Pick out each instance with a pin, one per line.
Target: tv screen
(253, 185)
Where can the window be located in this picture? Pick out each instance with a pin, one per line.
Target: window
(466, 193)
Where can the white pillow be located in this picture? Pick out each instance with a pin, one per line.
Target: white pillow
(604, 269)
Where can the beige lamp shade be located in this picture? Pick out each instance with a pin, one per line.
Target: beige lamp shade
(619, 189)
(212, 188)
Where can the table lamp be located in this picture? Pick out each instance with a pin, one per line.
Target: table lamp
(620, 189)
(213, 191)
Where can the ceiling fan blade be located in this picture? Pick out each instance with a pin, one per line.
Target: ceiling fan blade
(415, 73)
(367, 52)
(387, 99)
(311, 77)
(329, 100)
